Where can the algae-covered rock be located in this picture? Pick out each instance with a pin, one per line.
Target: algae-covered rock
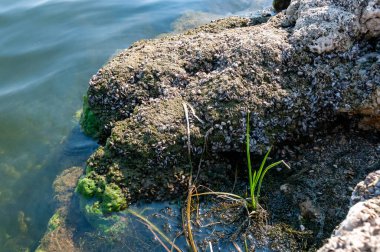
(86, 187)
(113, 199)
(97, 201)
(111, 224)
(59, 234)
(88, 120)
(54, 222)
(110, 196)
(295, 73)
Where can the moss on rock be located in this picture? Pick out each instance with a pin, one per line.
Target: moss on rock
(55, 221)
(113, 199)
(89, 121)
(113, 224)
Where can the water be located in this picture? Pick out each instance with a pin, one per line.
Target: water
(48, 51)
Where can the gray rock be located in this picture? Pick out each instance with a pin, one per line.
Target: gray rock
(366, 189)
(360, 231)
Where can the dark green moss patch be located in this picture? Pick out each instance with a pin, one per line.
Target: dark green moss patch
(89, 122)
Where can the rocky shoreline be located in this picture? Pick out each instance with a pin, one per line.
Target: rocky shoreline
(310, 78)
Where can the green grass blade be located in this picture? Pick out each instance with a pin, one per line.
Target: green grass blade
(263, 174)
(248, 150)
(262, 166)
(251, 178)
(252, 185)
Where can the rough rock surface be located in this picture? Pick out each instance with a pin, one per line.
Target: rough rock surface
(325, 26)
(315, 194)
(360, 231)
(294, 73)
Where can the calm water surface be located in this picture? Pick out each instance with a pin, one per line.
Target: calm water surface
(48, 51)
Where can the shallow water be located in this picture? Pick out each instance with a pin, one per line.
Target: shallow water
(145, 227)
(48, 51)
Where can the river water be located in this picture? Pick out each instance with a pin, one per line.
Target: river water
(48, 51)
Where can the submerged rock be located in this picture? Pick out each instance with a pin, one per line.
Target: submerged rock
(191, 19)
(59, 235)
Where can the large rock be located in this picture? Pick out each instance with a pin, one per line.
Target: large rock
(295, 73)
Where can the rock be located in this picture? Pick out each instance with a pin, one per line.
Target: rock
(308, 209)
(370, 19)
(323, 173)
(366, 189)
(59, 234)
(64, 185)
(298, 71)
(321, 17)
(280, 5)
(360, 231)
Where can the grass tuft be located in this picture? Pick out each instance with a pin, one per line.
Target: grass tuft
(256, 178)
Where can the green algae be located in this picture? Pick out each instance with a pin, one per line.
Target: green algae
(113, 199)
(94, 215)
(86, 187)
(54, 222)
(109, 195)
(89, 122)
(93, 209)
(112, 224)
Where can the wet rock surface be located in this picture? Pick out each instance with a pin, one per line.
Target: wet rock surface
(312, 68)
